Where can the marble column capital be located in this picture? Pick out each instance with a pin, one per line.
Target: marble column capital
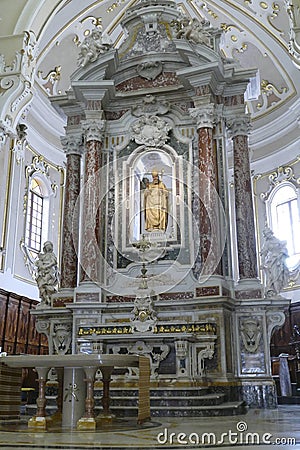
(204, 115)
(72, 144)
(239, 126)
(93, 129)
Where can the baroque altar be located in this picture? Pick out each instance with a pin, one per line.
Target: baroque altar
(158, 256)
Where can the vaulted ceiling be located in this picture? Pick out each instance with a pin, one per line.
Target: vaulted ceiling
(256, 33)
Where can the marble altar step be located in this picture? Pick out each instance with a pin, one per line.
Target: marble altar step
(185, 402)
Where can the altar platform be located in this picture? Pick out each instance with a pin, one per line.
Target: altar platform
(281, 427)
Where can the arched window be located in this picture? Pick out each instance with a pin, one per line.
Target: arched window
(285, 220)
(37, 216)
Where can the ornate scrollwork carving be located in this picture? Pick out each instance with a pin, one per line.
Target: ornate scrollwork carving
(270, 95)
(251, 333)
(150, 69)
(150, 106)
(274, 320)
(62, 337)
(144, 316)
(50, 81)
(282, 174)
(293, 10)
(151, 131)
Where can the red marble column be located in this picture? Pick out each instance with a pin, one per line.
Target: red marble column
(208, 172)
(90, 255)
(246, 243)
(72, 144)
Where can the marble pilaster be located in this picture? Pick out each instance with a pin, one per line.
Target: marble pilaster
(72, 144)
(239, 128)
(208, 226)
(93, 129)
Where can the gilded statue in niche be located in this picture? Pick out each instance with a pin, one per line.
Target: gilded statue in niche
(156, 199)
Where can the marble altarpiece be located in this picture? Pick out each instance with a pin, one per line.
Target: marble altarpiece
(161, 111)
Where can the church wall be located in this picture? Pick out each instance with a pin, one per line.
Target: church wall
(265, 183)
(21, 163)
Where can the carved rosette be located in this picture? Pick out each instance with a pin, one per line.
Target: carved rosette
(151, 131)
(204, 115)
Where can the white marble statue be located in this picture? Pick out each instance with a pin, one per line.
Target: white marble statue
(273, 256)
(92, 47)
(194, 31)
(47, 273)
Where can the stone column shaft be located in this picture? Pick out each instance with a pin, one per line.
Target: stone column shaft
(246, 242)
(91, 200)
(69, 262)
(208, 183)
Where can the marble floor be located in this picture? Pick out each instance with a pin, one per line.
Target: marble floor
(258, 429)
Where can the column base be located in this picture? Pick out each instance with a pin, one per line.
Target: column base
(37, 423)
(215, 286)
(56, 418)
(103, 419)
(249, 288)
(259, 394)
(62, 297)
(88, 292)
(86, 423)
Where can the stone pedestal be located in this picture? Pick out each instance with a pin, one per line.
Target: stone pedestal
(74, 393)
